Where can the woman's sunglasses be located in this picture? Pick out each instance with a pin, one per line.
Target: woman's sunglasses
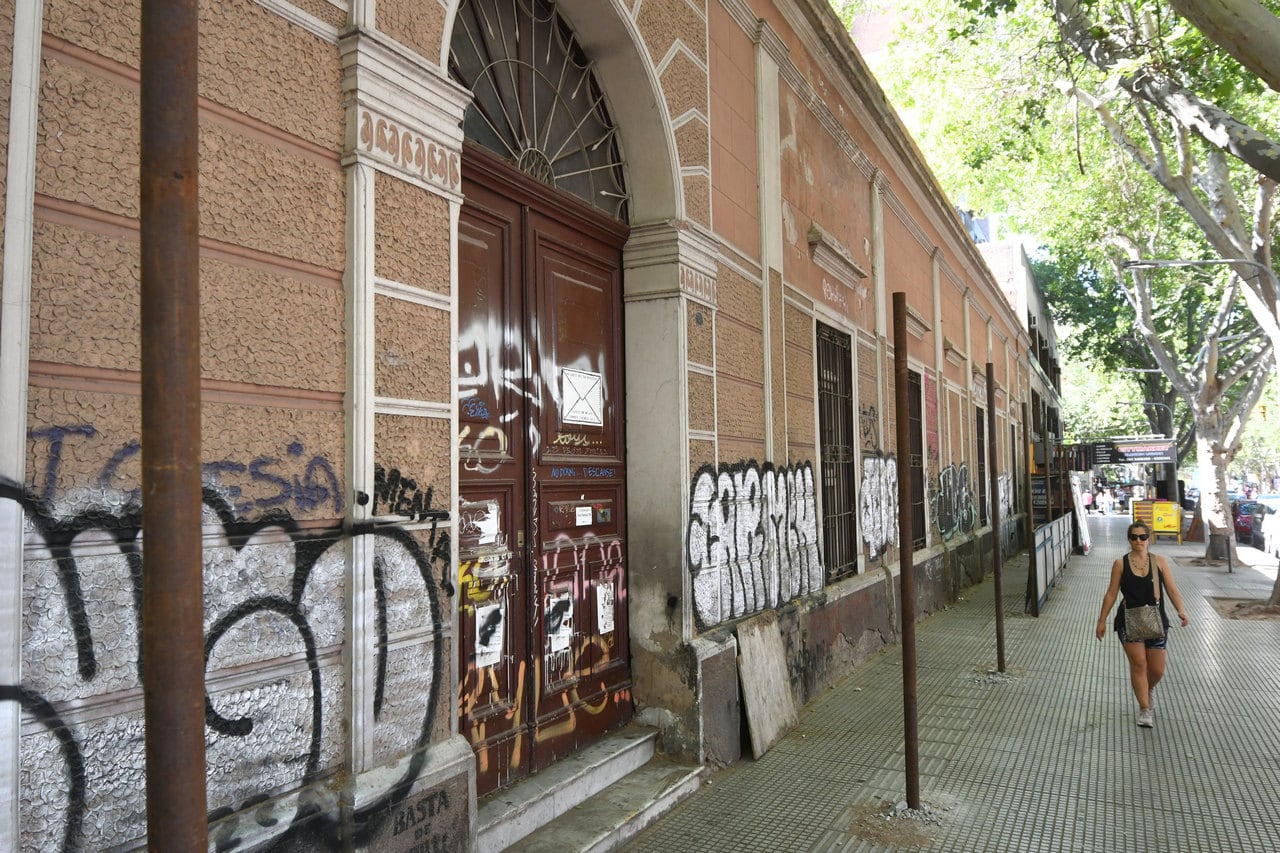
(1141, 537)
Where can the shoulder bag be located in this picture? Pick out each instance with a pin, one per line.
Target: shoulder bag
(1144, 622)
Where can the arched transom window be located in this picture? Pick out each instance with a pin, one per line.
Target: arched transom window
(536, 100)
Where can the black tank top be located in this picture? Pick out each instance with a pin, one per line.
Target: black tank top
(1138, 591)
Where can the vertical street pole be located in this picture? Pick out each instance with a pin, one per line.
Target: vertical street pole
(995, 512)
(172, 609)
(906, 563)
(1032, 578)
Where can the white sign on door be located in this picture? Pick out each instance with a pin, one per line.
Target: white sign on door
(582, 397)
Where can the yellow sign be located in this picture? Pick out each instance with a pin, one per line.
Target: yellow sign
(1164, 517)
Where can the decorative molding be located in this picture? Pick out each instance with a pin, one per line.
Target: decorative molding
(412, 408)
(768, 39)
(916, 324)
(409, 293)
(742, 15)
(830, 255)
(685, 245)
(305, 20)
(953, 353)
(403, 116)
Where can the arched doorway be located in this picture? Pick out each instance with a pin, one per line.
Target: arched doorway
(544, 664)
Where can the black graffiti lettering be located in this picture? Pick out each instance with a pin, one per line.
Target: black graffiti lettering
(308, 546)
(953, 504)
(400, 495)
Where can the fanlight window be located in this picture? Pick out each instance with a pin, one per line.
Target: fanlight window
(536, 101)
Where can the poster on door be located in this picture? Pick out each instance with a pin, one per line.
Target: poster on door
(489, 633)
(559, 615)
(604, 607)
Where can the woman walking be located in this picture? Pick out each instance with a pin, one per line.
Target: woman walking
(1131, 576)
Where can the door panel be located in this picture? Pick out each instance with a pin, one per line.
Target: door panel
(542, 479)
(492, 625)
(580, 610)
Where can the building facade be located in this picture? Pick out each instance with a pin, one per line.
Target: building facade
(545, 347)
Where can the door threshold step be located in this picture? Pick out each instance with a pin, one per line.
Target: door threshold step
(506, 816)
(618, 813)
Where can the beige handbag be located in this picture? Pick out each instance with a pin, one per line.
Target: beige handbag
(1144, 622)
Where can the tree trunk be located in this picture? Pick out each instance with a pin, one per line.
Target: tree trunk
(1215, 506)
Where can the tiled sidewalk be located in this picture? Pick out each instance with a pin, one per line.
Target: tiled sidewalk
(1045, 758)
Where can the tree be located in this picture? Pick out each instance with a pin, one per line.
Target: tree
(1161, 172)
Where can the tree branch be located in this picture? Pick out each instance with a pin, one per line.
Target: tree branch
(1247, 30)
(1204, 118)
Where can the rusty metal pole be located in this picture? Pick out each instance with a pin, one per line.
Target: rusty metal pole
(995, 512)
(906, 554)
(1032, 582)
(172, 609)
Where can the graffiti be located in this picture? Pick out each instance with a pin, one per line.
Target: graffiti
(475, 408)
(879, 503)
(274, 617)
(399, 495)
(263, 483)
(869, 426)
(931, 418)
(752, 541)
(573, 439)
(1004, 487)
(953, 504)
(490, 444)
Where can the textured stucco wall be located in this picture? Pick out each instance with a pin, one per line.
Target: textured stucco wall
(411, 245)
(416, 24)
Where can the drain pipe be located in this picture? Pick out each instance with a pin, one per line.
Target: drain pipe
(172, 607)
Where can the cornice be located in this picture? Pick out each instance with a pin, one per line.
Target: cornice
(403, 115)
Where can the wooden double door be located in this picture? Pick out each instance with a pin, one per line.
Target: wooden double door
(542, 642)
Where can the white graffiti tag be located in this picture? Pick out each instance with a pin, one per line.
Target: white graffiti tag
(879, 503)
(753, 539)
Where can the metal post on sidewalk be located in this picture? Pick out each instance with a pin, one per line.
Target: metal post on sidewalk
(995, 512)
(1033, 589)
(172, 606)
(906, 562)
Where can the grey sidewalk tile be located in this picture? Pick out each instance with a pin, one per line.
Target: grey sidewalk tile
(1043, 758)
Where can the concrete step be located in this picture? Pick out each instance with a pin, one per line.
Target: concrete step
(509, 815)
(615, 815)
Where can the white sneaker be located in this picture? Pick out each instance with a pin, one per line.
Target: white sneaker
(1146, 718)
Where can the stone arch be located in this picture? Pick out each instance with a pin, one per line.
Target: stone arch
(651, 165)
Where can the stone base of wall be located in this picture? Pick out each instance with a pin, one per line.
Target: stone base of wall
(425, 802)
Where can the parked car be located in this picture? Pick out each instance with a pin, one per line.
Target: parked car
(1264, 523)
(1242, 517)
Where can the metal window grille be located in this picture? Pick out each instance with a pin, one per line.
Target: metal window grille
(915, 459)
(839, 453)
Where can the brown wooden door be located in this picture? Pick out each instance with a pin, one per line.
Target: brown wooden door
(544, 663)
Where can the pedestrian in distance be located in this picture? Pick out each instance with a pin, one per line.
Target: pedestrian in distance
(1131, 577)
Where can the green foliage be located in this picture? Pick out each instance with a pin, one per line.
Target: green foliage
(1094, 400)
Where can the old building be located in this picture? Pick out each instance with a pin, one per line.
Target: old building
(546, 348)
